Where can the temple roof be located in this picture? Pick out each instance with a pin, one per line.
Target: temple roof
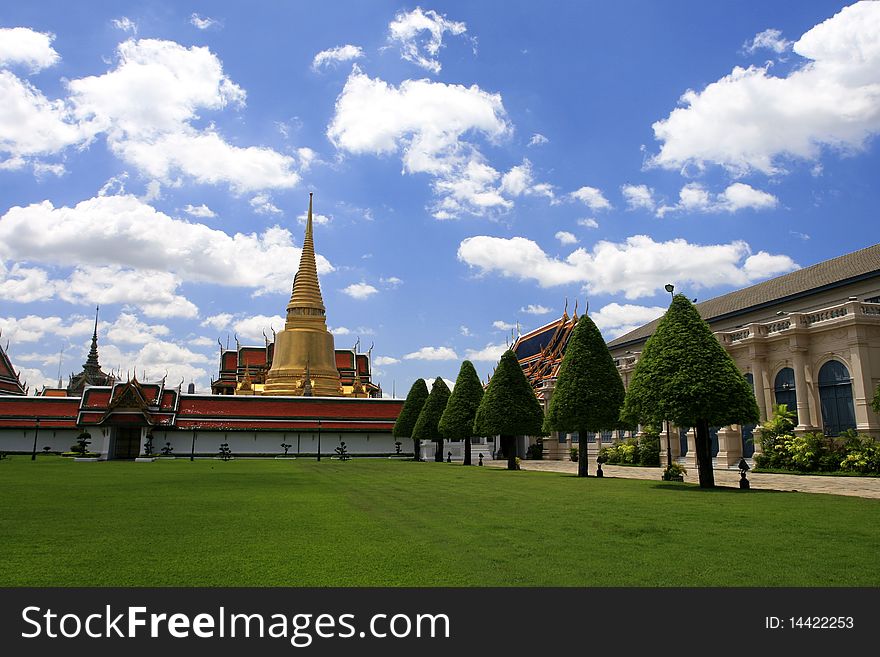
(826, 275)
(10, 384)
(540, 351)
(92, 374)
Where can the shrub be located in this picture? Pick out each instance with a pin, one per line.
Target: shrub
(649, 448)
(536, 450)
(862, 455)
(611, 454)
(629, 451)
(674, 471)
(573, 453)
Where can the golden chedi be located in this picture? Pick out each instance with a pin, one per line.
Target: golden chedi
(304, 360)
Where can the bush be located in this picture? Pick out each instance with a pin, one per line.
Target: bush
(536, 451)
(573, 453)
(862, 455)
(649, 448)
(611, 454)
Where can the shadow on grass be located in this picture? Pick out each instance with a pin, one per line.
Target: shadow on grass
(671, 486)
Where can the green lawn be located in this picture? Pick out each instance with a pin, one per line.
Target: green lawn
(399, 523)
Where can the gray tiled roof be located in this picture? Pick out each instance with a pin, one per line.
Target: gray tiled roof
(823, 275)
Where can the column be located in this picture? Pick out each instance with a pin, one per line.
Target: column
(690, 459)
(863, 391)
(803, 393)
(761, 381)
(729, 445)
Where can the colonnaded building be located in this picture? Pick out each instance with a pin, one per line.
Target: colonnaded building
(809, 339)
(297, 390)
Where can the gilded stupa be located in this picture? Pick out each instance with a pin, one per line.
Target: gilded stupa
(304, 358)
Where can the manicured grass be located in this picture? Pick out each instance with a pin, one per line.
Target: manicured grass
(398, 523)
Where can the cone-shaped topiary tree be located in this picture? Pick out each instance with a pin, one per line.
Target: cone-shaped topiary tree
(684, 375)
(427, 425)
(457, 421)
(589, 392)
(409, 414)
(509, 407)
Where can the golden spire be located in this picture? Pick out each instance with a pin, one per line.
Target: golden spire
(306, 296)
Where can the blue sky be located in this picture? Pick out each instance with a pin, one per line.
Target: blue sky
(473, 164)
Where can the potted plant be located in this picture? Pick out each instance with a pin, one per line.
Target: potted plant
(674, 472)
(286, 447)
(82, 448)
(573, 454)
(147, 456)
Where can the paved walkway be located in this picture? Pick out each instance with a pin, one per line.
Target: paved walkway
(854, 486)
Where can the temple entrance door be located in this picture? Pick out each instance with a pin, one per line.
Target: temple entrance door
(127, 442)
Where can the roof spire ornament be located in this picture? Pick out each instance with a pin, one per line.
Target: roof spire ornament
(565, 310)
(92, 364)
(306, 297)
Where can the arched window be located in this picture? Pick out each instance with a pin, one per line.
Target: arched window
(784, 389)
(835, 393)
(748, 449)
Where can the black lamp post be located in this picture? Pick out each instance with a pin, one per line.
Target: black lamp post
(743, 468)
(192, 451)
(36, 433)
(669, 287)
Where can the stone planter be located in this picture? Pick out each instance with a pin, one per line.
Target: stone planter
(145, 459)
(285, 458)
(85, 459)
(166, 458)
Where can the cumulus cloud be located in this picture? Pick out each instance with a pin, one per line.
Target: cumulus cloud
(464, 330)
(111, 231)
(202, 211)
(501, 325)
(146, 107)
(535, 309)
(751, 120)
(538, 139)
(770, 39)
(638, 197)
(335, 55)
(566, 238)
(219, 321)
(425, 122)
(360, 290)
(637, 267)
(128, 329)
(432, 353)
(31, 124)
(490, 353)
(591, 197)
(588, 222)
(617, 319)
(520, 181)
(317, 218)
(252, 328)
(262, 204)
(33, 328)
(385, 360)
(28, 48)
(420, 36)
(693, 197)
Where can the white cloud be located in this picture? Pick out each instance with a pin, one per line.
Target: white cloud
(340, 330)
(432, 353)
(420, 36)
(385, 360)
(360, 290)
(31, 328)
(25, 284)
(425, 121)
(501, 325)
(591, 197)
(693, 197)
(218, 322)
(253, 328)
(392, 281)
(202, 22)
(31, 124)
(122, 231)
(491, 353)
(638, 197)
(125, 24)
(317, 218)
(129, 329)
(26, 47)
(203, 341)
(146, 107)
(771, 39)
(588, 222)
(520, 180)
(464, 330)
(262, 204)
(535, 309)
(538, 139)
(752, 120)
(335, 55)
(565, 237)
(156, 360)
(202, 211)
(615, 319)
(637, 267)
